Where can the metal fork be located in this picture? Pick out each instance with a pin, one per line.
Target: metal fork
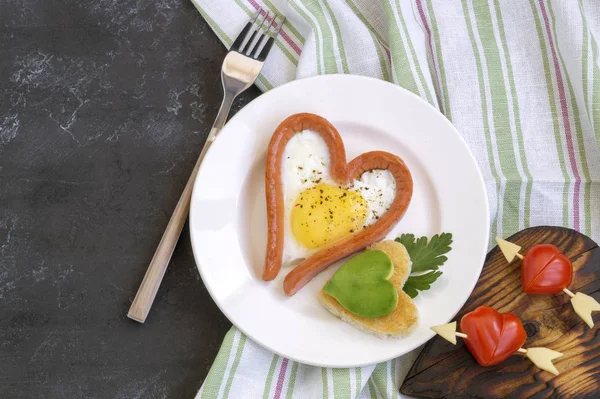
(240, 69)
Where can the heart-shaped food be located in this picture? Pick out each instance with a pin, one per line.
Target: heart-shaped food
(545, 270)
(492, 336)
(333, 209)
(362, 285)
(404, 315)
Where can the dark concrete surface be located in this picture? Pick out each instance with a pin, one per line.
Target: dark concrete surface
(104, 107)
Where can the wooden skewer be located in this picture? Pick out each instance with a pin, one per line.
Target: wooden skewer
(583, 304)
(541, 357)
(464, 336)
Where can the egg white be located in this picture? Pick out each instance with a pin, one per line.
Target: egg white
(378, 188)
(305, 164)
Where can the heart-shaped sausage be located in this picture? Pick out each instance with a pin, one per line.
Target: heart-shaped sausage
(342, 173)
(492, 336)
(545, 270)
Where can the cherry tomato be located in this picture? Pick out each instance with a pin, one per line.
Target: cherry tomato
(545, 270)
(492, 336)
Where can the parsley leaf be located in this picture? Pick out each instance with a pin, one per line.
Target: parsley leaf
(426, 255)
(423, 282)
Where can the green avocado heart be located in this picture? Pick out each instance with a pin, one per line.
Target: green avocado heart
(361, 285)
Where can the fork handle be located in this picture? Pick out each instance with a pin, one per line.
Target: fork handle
(158, 265)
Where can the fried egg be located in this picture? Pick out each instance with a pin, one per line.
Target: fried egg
(317, 210)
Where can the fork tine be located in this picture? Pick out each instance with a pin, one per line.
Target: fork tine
(263, 39)
(256, 35)
(271, 40)
(250, 36)
(239, 40)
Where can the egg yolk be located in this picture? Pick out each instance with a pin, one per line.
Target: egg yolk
(325, 213)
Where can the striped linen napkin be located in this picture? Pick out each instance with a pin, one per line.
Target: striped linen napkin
(520, 79)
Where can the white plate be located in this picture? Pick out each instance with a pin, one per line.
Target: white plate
(228, 216)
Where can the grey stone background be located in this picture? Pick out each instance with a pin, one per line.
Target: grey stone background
(104, 107)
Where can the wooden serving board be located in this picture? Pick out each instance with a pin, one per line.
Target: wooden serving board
(449, 371)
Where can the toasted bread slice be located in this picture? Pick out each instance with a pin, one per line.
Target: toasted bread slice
(402, 318)
(400, 259)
